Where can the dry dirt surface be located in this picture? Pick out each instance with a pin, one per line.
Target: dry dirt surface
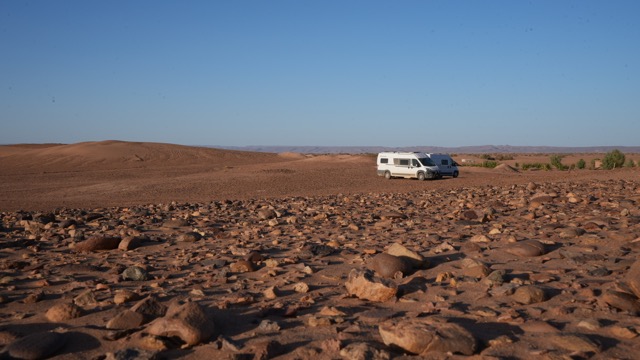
(117, 250)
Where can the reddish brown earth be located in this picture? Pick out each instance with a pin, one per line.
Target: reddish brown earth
(268, 253)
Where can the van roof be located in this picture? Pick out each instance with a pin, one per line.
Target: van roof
(401, 152)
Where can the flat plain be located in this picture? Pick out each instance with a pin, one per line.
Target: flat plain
(119, 250)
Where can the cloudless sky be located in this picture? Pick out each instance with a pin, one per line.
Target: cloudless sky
(377, 73)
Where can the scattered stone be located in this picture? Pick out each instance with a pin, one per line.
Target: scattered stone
(188, 322)
(389, 266)
(150, 308)
(315, 250)
(443, 247)
(97, 243)
(633, 278)
(622, 301)
(474, 268)
(175, 223)
(266, 214)
(622, 332)
(34, 297)
(573, 342)
(417, 261)
(126, 320)
(189, 237)
(301, 287)
(122, 296)
(130, 243)
(469, 215)
(590, 324)
(570, 233)
(271, 293)
(131, 354)
(365, 286)
(419, 337)
(495, 278)
(363, 351)
(134, 273)
(85, 299)
(529, 294)
(268, 326)
(63, 312)
(266, 349)
(254, 257)
(482, 239)
(526, 248)
(242, 266)
(37, 345)
(315, 321)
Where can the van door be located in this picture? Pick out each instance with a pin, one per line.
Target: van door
(403, 167)
(445, 167)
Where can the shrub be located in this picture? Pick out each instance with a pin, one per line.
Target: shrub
(556, 161)
(537, 166)
(489, 164)
(613, 159)
(629, 163)
(581, 164)
(486, 164)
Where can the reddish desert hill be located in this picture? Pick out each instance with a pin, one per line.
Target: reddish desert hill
(113, 154)
(118, 173)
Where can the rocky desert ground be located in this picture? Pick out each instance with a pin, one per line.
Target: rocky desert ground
(117, 250)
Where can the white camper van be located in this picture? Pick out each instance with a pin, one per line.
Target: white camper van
(446, 165)
(407, 165)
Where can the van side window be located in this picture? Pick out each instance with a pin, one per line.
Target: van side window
(414, 162)
(404, 162)
(445, 162)
(384, 161)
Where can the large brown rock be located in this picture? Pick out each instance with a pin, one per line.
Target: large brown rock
(63, 312)
(633, 278)
(37, 345)
(150, 308)
(526, 248)
(529, 294)
(416, 260)
(126, 320)
(98, 243)
(419, 337)
(365, 286)
(622, 301)
(187, 321)
(390, 266)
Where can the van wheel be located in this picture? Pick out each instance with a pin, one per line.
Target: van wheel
(387, 175)
(455, 174)
(421, 176)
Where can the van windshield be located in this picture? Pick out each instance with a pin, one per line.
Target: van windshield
(427, 162)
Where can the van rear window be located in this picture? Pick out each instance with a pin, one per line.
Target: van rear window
(384, 161)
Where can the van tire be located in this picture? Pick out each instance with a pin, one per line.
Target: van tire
(387, 175)
(455, 174)
(421, 176)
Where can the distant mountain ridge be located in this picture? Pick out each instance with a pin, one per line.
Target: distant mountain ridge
(481, 149)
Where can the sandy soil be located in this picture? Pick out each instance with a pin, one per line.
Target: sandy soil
(272, 256)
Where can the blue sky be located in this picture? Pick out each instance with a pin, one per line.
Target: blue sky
(378, 73)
